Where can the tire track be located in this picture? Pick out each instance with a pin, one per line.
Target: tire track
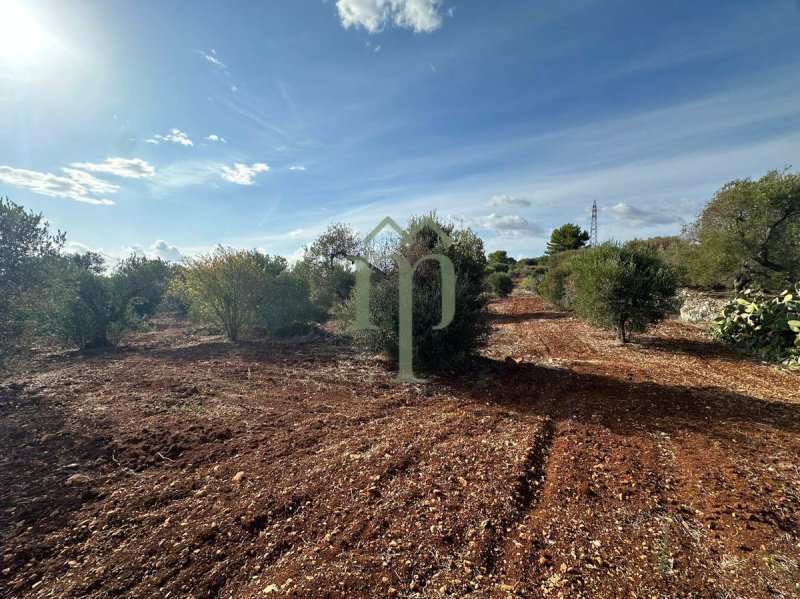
(524, 499)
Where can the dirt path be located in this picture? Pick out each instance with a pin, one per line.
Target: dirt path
(183, 467)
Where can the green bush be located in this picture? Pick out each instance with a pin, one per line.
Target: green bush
(500, 283)
(143, 278)
(432, 349)
(531, 282)
(243, 292)
(25, 241)
(520, 270)
(326, 267)
(678, 253)
(83, 309)
(553, 284)
(621, 288)
(497, 267)
(767, 328)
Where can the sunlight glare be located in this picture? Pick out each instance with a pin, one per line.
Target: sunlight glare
(20, 36)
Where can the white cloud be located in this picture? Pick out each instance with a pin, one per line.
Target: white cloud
(76, 187)
(504, 200)
(645, 217)
(242, 174)
(175, 136)
(299, 167)
(159, 249)
(216, 138)
(375, 15)
(131, 168)
(75, 247)
(90, 182)
(511, 225)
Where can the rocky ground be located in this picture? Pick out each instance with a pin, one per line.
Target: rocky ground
(181, 466)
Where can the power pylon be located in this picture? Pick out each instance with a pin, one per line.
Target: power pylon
(593, 227)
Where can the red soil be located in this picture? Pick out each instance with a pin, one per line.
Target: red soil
(180, 466)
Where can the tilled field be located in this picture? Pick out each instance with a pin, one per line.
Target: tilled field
(180, 466)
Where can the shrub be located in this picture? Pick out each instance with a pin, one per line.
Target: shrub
(534, 278)
(500, 283)
(678, 253)
(243, 291)
(326, 267)
(82, 309)
(553, 283)
(432, 349)
(767, 328)
(497, 267)
(621, 288)
(143, 278)
(25, 240)
(520, 270)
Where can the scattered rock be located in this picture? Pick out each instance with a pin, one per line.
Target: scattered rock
(237, 478)
(78, 479)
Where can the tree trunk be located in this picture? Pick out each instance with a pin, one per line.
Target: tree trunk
(621, 332)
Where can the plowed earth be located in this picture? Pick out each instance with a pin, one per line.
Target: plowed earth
(180, 466)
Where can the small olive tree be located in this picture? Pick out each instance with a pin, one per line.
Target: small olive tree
(432, 349)
(500, 283)
(326, 267)
(621, 288)
(81, 307)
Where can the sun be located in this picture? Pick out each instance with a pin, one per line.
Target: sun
(20, 35)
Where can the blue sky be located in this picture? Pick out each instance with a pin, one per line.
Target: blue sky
(169, 127)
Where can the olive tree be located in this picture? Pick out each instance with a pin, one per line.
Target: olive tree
(621, 288)
(749, 233)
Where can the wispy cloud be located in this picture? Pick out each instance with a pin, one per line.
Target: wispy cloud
(509, 225)
(186, 173)
(375, 15)
(175, 136)
(76, 186)
(649, 216)
(90, 182)
(131, 168)
(211, 57)
(243, 174)
(298, 167)
(504, 200)
(216, 138)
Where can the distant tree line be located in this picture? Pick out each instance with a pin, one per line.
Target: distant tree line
(748, 235)
(78, 301)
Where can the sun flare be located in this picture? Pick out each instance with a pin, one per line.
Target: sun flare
(20, 35)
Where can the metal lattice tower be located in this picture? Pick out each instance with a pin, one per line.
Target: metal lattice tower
(593, 227)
